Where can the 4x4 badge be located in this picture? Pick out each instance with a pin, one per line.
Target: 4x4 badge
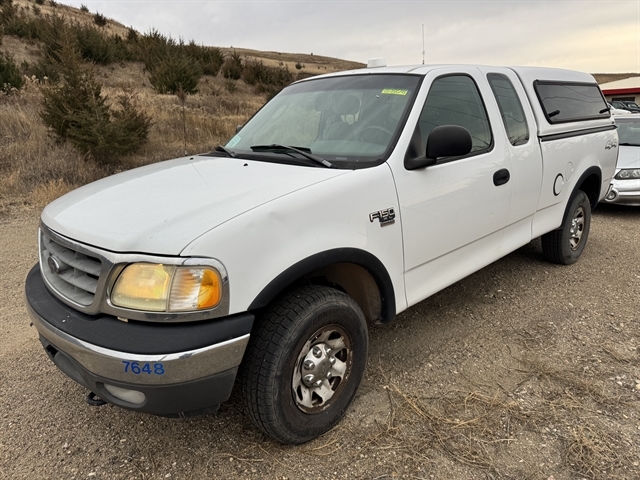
(386, 216)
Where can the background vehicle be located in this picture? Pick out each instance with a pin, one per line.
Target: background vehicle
(346, 199)
(628, 106)
(626, 181)
(618, 111)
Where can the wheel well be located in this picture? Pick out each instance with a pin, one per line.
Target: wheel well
(591, 186)
(356, 282)
(356, 272)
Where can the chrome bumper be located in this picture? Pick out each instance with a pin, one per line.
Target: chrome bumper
(177, 367)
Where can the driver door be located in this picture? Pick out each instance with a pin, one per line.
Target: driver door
(453, 213)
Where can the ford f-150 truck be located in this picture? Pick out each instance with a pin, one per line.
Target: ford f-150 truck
(345, 200)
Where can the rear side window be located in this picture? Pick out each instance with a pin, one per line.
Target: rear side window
(510, 107)
(571, 102)
(455, 100)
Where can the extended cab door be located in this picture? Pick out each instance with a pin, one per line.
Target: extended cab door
(518, 124)
(453, 213)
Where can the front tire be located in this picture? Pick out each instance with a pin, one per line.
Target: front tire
(565, 245)
(304, 363)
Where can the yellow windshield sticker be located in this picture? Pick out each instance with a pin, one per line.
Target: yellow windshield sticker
(394, 91)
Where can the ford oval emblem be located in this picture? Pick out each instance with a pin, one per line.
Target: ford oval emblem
(54, 266)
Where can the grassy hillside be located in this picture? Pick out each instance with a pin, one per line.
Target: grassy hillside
(36, 167)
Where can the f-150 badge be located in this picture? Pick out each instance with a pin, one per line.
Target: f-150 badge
(386, 216)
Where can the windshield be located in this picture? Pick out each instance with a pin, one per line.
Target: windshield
(629, 133)
(351, 121)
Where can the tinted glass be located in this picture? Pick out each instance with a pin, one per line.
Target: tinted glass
(569, 102)
(510, 107)
(352, 121)
(455, 100)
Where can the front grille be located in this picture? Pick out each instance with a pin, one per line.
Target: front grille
(72, 274)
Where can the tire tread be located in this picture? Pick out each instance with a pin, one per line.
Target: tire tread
(263, 354)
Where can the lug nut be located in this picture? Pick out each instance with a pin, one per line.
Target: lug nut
(329, 375)
(308, 365)
(308, 379)
(332, 360)
(318, 383)
(317, 352)
(327, 350)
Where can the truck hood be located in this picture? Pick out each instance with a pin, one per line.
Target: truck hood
(161, 208)
(628, 157)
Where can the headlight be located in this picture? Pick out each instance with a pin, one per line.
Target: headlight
(167, 288)
(628, 174)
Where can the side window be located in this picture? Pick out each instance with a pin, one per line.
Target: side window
(510, 107)
(455, 100)
(571, 102)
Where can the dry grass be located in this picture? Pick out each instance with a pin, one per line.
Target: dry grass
(75, 15)
(313, 64)
(35, 169)
(484, 429)
(612, 77)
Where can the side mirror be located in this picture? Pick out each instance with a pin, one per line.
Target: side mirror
(448, 141)
(443, 141)
(238, 128)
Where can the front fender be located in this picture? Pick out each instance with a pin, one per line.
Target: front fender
(272, 243)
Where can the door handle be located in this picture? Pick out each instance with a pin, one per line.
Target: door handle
(501, 177)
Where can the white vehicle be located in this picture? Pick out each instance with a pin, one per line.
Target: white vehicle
(625, 186)
(346, 199)
(617, 111)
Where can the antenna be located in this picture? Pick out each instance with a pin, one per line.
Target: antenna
(423, 43)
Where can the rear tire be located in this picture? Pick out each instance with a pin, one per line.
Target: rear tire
(305, 360)
(565, 245)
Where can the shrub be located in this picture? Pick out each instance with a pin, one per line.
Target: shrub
(77, 111)
(84, 8)
(231, 86)
(100, 20)
(10, 77)
(173, 73)
(36, 10)
(40, 2)
(298, 66)
(210, 59)
(232, 67)
(95, 45)
(53, 3)
(132, 36)
(170, 68)
(254, 72)
(44, 68)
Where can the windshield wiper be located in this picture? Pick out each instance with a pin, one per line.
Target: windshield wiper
(274, 147)
(629, 144)
(230, 153)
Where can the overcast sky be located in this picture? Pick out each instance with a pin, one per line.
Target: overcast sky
(593, 36)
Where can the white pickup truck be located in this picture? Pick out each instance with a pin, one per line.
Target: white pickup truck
(345, 200)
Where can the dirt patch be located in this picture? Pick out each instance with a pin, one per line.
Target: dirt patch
(524, 370)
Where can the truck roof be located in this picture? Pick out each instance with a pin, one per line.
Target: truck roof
(526, 74)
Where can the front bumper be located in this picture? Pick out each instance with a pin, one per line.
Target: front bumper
(179, 369)
(624, 192)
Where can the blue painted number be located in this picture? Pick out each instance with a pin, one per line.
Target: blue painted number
(149, 368)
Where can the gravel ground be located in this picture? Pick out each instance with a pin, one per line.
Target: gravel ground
(522, 370)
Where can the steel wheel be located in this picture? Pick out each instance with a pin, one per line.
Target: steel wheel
(565, 245)
(321, 369)
(577, 228)
(305, 360)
